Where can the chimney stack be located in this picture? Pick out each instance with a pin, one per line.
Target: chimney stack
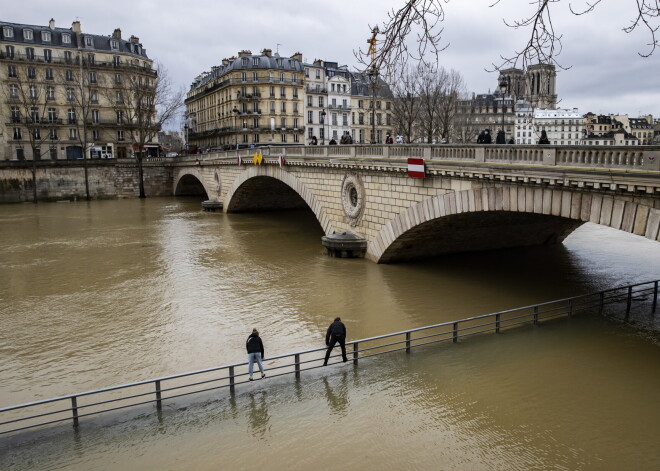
(116, 33)
(51, 24)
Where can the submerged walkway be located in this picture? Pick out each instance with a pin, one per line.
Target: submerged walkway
(75, 407)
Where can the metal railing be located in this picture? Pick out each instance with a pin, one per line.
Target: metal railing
(74, 407)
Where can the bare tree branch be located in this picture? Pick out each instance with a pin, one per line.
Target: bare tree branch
(415, 32)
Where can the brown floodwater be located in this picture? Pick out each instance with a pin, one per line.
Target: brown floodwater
(110, 292)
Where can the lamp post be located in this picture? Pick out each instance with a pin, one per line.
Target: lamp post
(323, 127)
(504, 87)
(235, 111)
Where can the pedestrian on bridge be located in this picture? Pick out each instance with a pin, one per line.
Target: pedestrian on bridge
(255, 350)
(336, 334)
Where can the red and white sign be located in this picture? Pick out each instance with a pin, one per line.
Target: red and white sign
(415, 167)
(281, 161)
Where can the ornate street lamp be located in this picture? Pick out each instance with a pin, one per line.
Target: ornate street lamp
(504, 88)
(323, 127)
(235, 111)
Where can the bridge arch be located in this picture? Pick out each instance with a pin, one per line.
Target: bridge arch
(191, 182)
(247, 193)
(501, 217)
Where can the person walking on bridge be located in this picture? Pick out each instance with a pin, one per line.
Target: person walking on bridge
(336, 333)
(255, 350)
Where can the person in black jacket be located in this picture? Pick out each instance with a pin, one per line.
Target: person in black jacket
(255, 349)
(336, 333)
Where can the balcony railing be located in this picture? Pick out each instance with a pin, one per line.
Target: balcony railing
(17, 57)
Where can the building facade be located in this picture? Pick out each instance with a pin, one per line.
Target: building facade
(564, 127)
(256, 100)
(65, 91)
(371, 109)
(249, 100)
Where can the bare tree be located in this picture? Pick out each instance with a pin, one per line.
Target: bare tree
(29, 99)
(431, 82)
(422, 20)
(406, 103)
(144, 103)
(465, 128)
(451, 87)
(81, 96)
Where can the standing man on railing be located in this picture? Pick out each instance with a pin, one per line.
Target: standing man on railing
(255, 349)
(336, 333)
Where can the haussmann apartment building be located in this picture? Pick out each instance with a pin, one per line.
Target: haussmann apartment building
(64, 91)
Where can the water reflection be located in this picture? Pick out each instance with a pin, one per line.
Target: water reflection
(258, 417)
(337, 394)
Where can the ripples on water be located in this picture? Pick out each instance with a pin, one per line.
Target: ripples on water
(118, 291)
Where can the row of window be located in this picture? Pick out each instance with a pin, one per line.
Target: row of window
(360, 118)
(15, 115)
(245, 61)
(256, 123)
(73, 134)
(47, 37)
(271, 77)
(34, 94)
(31, 73)
(90, 57)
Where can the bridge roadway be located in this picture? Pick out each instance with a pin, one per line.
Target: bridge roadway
(472, 197)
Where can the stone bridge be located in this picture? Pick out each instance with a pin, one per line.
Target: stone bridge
(472, 197)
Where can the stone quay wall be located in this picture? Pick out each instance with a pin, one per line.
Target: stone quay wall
(65, 180)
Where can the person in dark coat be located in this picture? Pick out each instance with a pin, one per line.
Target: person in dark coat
(481, 137)
(332, 142)
(336, 333)
(487, 137)
(255, 350)
(501, 137)
(544, 138)
(313, 141)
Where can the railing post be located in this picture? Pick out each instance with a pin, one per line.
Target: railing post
(74, 410)
(407, 342)
(570, 308)
(355, 353)
(158, 397)
(232, 386)
(536, 315)
(297, 361)
(497, 323)
(655, 296)
(455, 334)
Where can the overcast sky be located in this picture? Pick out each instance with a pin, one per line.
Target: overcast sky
(606, 76)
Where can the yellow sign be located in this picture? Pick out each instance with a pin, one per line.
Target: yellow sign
(258, 159)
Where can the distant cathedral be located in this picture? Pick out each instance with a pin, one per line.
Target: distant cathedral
(536, 86)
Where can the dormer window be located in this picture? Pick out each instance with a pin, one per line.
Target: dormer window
(114, 44)
(45, 36)
(8, 32)
(139, 49)
(244, 61)
(27, 35)
(255, 61)
(89, 41)
(279, 62)
(66, 38)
